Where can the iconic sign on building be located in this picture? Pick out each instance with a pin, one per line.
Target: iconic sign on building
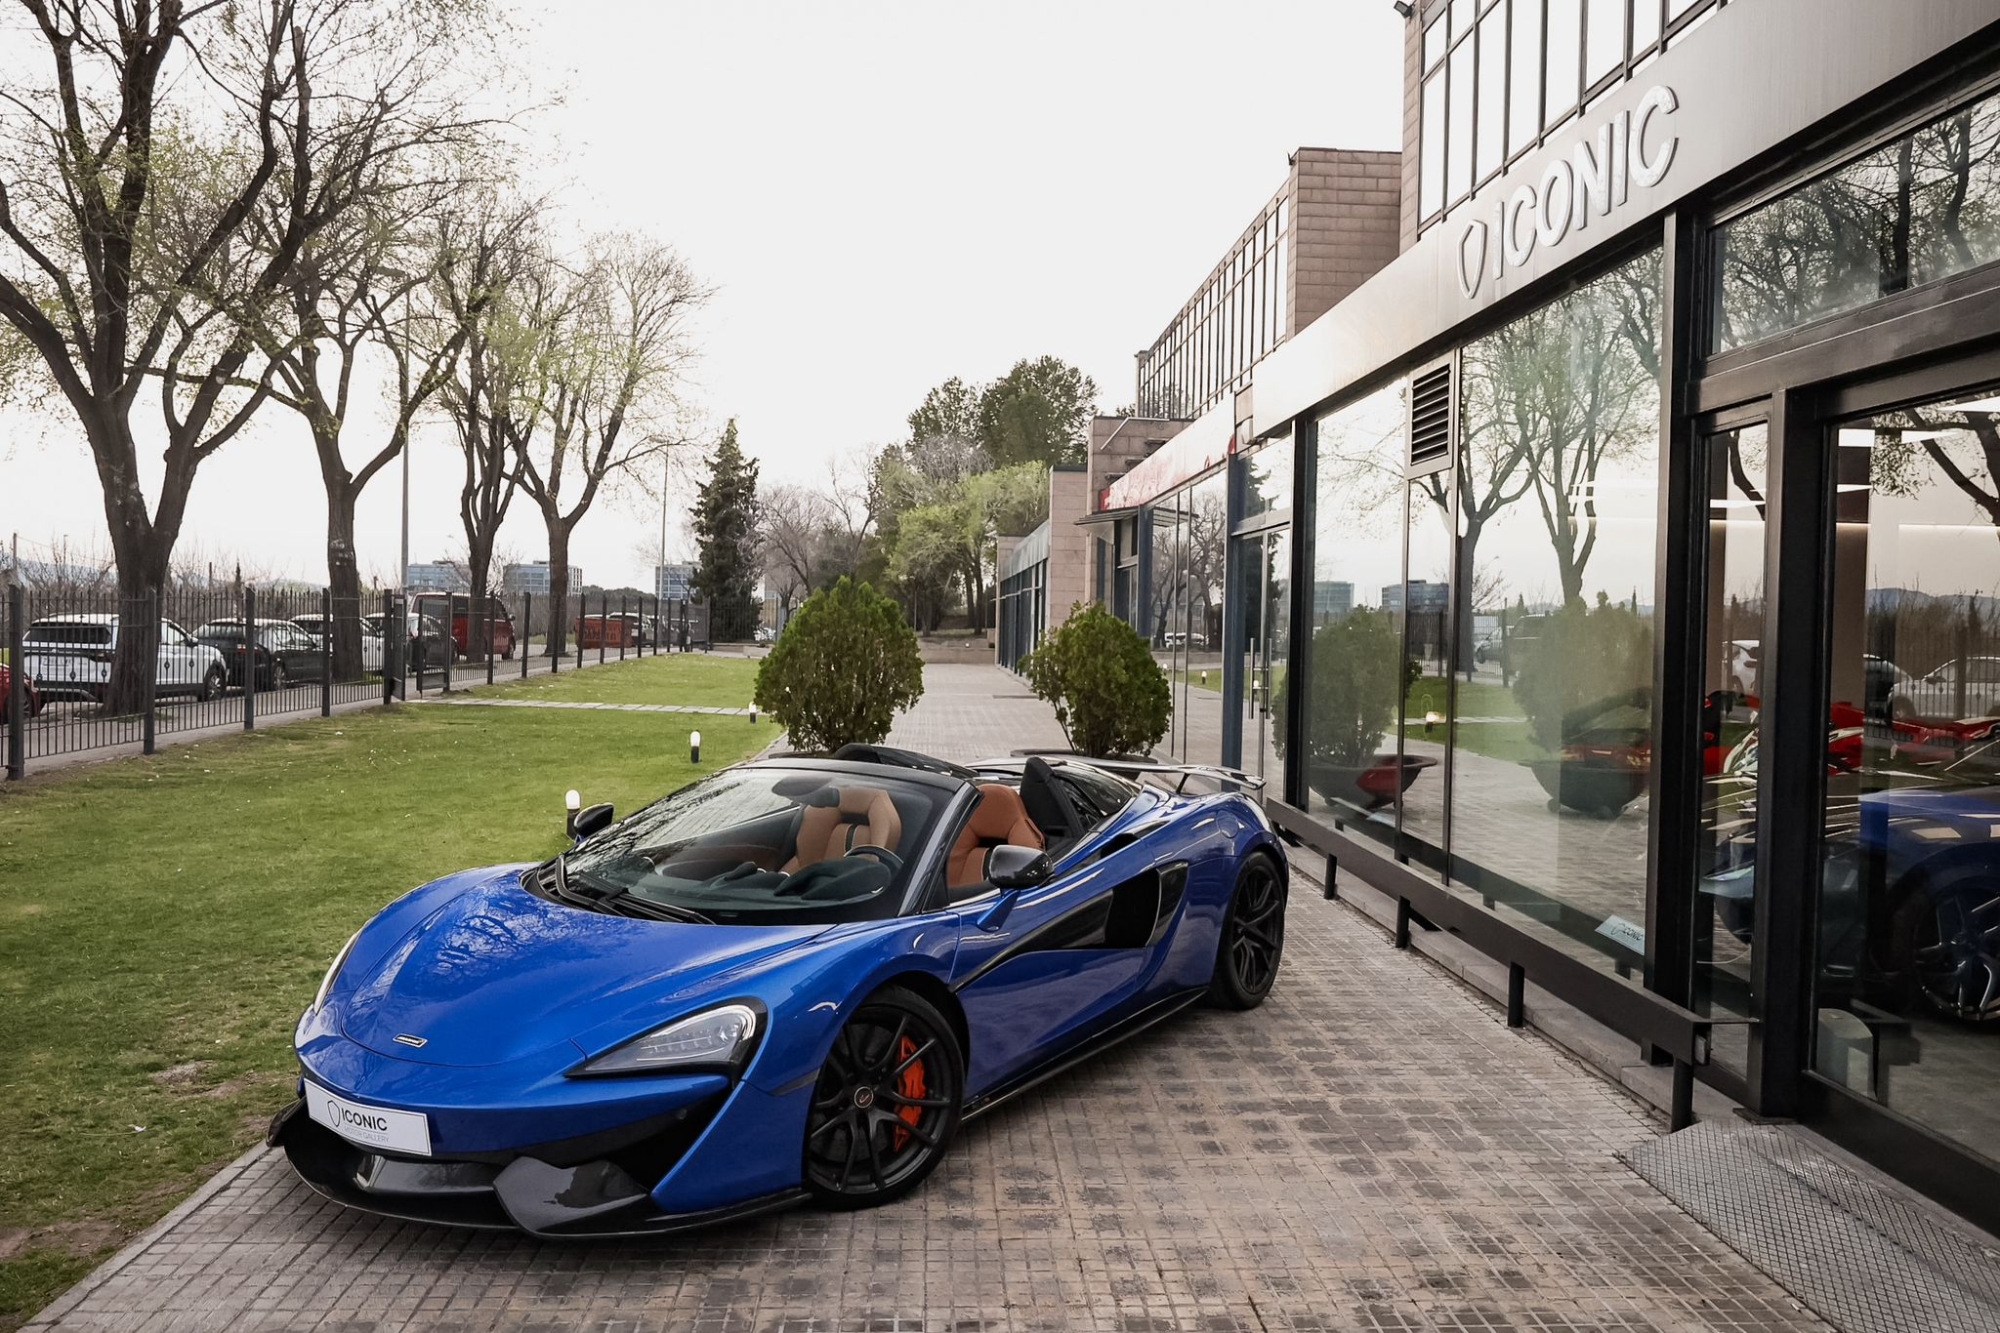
(1635, 146)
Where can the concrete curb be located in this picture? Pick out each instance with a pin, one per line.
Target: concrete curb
(53, 1313)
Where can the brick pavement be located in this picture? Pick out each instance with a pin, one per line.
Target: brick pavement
(1372, 1149)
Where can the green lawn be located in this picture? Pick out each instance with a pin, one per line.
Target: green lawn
(164, 920)
(676, 678)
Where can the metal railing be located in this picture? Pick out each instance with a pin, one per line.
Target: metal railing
(87, 669)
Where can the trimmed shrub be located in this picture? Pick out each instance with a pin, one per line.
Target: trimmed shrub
(1358, 678)
(1582, 661)
(846, 664)
(1110, 695)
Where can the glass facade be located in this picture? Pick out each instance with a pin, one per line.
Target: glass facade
(1499, 76)
(1724, 945)
(1459, 648)
(1237, 315)
(1351, 661)
(1909, 885)
(1190, 536)
(1558, 495)
(1913, 212)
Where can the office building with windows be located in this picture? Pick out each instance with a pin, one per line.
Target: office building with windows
(671, 582)
(1695, 300)
(533, 578)
(437, 576)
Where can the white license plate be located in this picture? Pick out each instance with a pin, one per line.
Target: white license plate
(370, 1126)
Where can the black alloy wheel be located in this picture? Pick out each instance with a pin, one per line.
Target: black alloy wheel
(1954, 923)
(1253, 937)
(213, 682)
(887, 1102)
(280, 678)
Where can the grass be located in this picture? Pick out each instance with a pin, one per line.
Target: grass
(676, 678)
(164, 920)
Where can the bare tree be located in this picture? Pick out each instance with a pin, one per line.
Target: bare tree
(131, 179)
(496, 289)
(368, 286)
(613, 352)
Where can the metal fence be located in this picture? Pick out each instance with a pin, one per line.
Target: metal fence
(87, 669)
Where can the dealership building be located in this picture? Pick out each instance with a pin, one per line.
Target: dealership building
(1587, 522)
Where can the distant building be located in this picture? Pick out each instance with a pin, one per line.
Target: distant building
(1424, 596)
(671, 582)
(437, 576)
(1332, 600)
(534, 579)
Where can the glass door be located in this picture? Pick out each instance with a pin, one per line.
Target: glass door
(1908, 979)
(1733, 691)
(1265, 593)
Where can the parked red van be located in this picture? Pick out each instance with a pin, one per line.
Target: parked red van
(614, 630)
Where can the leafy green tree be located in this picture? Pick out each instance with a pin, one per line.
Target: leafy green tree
(1038, 412)
(1110, 696)
(846, 664)
(725, 531)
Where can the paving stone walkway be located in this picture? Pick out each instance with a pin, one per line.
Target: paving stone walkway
(1371, 1150)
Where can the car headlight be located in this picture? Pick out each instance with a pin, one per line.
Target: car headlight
(339, 960)
(712, 1039)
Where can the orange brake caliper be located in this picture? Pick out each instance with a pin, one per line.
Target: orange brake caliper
(910, 1084)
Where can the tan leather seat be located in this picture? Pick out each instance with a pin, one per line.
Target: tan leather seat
(862, 817)
(1000, 819)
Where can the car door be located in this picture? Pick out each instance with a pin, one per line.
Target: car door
(1044, 968)
(174, 668)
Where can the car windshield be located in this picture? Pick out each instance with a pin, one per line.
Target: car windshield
(761, 845)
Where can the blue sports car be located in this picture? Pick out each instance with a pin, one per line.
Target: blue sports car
(792, 979)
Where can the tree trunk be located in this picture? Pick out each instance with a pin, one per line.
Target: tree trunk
(558, 637)
(343, 576)
(141, 547)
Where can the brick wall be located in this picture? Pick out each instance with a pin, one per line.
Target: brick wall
(1069, 545)
(1347, 210)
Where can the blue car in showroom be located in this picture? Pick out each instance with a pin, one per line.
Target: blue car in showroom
(794, 979)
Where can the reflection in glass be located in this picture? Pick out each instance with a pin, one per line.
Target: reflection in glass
(1909, 900)
(1492, 89)
(1565, 53)
(1732, 697)
(1205, 507)
(1913, 212)
(1645, 26)
(1557, 492)
(1352, 663)
(1604, 40)
(1267, 478)
(1458, 155)
(1424, 597)
(1524, 82)
(1274, 652)
(1430, 177)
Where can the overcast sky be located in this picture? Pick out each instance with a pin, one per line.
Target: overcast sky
(883, 195)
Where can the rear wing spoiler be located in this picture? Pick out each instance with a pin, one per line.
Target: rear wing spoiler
(1227, 778)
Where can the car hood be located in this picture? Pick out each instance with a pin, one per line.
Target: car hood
(497, 973)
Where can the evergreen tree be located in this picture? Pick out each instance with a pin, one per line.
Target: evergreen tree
(725, 529)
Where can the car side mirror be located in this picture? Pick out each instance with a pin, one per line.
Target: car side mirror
(1011, 867)
(591, 821)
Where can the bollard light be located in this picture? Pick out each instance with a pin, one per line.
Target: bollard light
(753, 712)
(1204, 678)
(572, 802)
(694, 747)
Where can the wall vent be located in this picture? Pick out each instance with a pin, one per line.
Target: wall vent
(1430, 415)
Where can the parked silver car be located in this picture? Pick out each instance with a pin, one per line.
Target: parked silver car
(70, 658)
